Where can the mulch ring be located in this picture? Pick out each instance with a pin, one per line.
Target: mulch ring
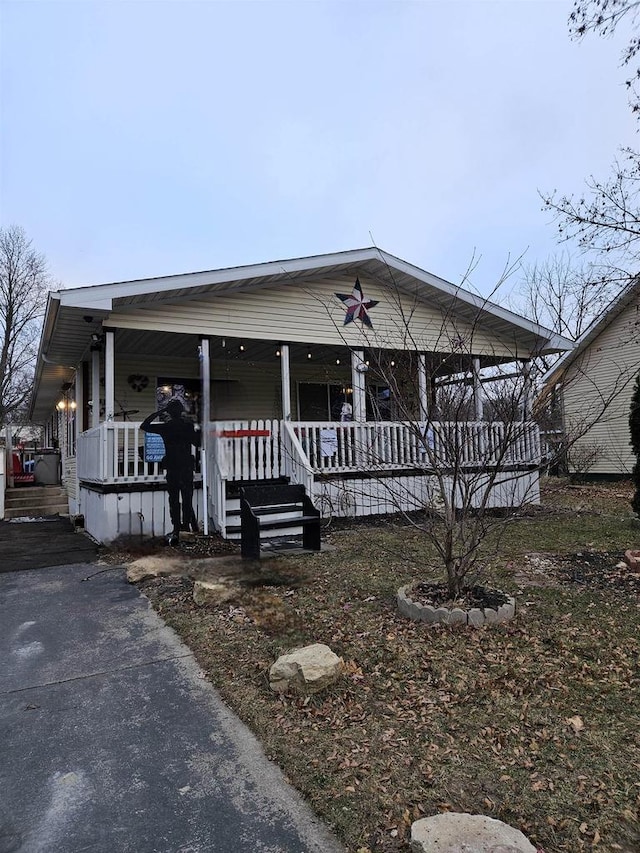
(437, 595)
(591, 569)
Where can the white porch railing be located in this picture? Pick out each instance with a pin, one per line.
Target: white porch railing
(114, 453)
(240, 451)
(332, 448)
(259, 450)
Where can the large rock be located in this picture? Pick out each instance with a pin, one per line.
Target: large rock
(306, 670)
(214, 592)
(464, 833)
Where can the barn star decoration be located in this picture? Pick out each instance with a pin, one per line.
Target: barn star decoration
(357, 305)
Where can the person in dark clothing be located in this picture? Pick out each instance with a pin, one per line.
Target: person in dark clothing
(178, 435)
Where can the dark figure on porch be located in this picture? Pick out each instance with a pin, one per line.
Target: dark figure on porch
(178, 435)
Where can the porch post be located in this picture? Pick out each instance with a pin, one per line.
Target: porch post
(527, 390)
(477, 390)
(205, 375)
(286, 382)
(358, 384)
(422, 387)
(95, 388)
(79, 398)
(109, 375)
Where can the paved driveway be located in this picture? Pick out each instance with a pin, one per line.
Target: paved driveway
(111, 740)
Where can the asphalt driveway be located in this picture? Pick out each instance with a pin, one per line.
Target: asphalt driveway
(113, 742)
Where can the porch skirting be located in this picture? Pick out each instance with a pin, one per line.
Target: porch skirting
(112, 510)
(391, 492)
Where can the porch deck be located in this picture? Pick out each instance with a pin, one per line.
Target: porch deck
(353, 468)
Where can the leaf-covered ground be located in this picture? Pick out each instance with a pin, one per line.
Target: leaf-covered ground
(536, 722)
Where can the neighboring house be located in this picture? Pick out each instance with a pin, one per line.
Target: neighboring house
(277, 362)
(593, 385)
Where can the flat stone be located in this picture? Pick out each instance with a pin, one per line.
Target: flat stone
(464, 833)
(506, 611)
(457, 616)
(475, 617)
(415, 610)
(442, 614)
(404, 604)
(428, 614)
(491, 616)
(213, 592)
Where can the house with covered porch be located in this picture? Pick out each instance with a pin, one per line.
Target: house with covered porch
(322, 371)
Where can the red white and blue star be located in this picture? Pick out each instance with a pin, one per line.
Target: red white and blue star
(357, 305)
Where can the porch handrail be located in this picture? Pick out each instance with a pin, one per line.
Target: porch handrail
(217, 477)
(295, 461)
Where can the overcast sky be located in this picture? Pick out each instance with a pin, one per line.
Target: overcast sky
(150, 138)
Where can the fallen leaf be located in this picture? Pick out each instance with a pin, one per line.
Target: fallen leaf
(576, 723)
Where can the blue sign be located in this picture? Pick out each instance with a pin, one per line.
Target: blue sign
(153, 447)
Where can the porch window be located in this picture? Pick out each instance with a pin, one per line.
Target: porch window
(322, 401)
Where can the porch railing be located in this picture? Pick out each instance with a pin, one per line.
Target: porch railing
(325, 447)
(260, 450)
(114, 453)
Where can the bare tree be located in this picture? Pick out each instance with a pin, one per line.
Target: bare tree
(602, 17)
(457, 474)
(24, 283)
(606, 218)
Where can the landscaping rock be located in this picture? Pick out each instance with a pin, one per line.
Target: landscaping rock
(457, 616)
(507, 611)
(214, 592)
(475, 617)
(428, 615)
(153, 567)
(464, 833)
(306, 670)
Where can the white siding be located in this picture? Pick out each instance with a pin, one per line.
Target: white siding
(597, 390)
(313, 314)
(240, 390)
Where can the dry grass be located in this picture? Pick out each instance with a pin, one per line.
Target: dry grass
(535, 722)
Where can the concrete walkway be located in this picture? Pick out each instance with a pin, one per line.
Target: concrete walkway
(113, 742)
(43, 542)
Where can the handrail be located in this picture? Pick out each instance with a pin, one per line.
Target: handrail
(295, 460)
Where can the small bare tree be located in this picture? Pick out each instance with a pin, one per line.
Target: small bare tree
(24, 283)
(465, 473)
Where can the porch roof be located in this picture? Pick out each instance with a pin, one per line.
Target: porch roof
(73, 315)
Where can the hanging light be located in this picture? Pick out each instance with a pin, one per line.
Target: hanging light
(277, 353)
(61, 405)
(337, 361)
(241, 347)
(309, 354)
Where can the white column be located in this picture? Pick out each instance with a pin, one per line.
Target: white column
(422, 387)
(286, 382)
(527, 391)
(109, 375)
(477, 390)
(79, 397)
(95, 388)
(205, 376)
(358, 384)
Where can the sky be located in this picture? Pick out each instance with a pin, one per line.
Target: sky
(157, 137)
